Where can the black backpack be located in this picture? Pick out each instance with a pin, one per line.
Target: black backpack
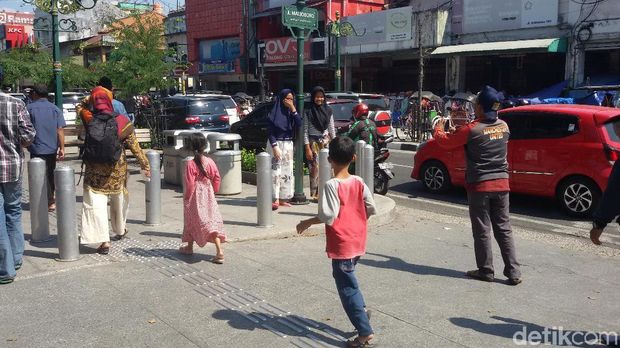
(102, 144)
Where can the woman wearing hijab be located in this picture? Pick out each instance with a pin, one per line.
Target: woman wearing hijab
(283, 122)
(319, 129)
(107, 181)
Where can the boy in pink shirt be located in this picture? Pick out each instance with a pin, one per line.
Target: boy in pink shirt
(344, 208)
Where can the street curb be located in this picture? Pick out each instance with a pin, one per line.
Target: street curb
(385, 208)
(402, 146)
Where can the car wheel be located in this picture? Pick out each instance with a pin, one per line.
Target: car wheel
(435, 176)
(579, 196)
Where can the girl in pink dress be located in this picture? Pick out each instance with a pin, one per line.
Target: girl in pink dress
(202, 219)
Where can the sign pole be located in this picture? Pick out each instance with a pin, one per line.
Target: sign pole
(338, 69)
(299, 197)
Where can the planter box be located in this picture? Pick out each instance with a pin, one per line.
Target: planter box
(248, 178)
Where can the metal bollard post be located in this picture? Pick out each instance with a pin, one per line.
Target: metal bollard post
(264, 217)
(359, 161)
(37, 187)
(68, 244)
(153, 191)
(183, 166)
(369, 167)
(325, 169)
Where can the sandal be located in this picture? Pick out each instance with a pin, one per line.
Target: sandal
(218, 259)
(119, 237)
(103, 250)
(356, 343)
(274, 206)
(186, 250)
(51, 207)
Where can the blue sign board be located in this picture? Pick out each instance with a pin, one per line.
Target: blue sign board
(218, 56)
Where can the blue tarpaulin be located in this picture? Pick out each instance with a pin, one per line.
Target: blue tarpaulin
(549, 92)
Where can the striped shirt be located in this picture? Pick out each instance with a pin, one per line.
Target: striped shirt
(310, 130)
(16, 130)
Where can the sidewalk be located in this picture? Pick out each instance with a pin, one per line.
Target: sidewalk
(238, 211)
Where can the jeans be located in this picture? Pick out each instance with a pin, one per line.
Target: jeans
(11, 231)
(350, 294)
(489, 212)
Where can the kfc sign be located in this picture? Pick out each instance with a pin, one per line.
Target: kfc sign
(16, 18)
(283, 51)
(15, 36)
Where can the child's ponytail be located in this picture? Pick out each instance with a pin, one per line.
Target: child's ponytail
(198, 144)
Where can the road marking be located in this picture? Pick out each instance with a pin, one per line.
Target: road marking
(402, 165)
(512, 216)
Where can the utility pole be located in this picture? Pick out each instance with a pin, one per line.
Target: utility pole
(299, 197)
(419, 117)
(246, 43)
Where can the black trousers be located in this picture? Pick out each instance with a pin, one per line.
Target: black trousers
(609, 207)
(50, 166)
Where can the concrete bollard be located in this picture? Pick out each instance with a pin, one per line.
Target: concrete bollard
(183, 166)
(359, 161)
(264, 187)
(325, 169)
(153, 190)
(68, 244)
(37, 188)
(369, 167)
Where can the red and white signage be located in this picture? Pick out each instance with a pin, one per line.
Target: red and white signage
(15, 36)
(19, 18)
(283, 51)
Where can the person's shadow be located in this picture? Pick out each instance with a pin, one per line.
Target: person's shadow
(524, 333)
(284, 326)
(398, 264)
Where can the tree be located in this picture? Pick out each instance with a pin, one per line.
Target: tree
(31, 65)
(138, 61)
(26, 64)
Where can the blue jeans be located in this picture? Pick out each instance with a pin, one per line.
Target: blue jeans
(11, 231)
(350, 294)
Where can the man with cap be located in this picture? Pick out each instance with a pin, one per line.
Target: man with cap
(49, 143)
(485, 142)
(16, 131)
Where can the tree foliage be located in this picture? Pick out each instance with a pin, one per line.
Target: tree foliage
(26, 63)
(32, 65)
(138, 61)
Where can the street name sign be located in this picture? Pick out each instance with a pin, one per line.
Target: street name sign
(304, 18)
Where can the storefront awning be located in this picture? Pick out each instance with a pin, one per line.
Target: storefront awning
(539, 45)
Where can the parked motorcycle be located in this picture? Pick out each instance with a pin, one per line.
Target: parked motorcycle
(383, 169)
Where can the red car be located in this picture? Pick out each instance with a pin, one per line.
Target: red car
(561, 151)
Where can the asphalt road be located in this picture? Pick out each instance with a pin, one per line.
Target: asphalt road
(527, 212)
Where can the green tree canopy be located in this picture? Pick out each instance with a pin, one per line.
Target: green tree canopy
(32, 65)
(138, 62)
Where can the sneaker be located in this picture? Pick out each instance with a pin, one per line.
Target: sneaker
(18, 266)
(6, 280)
(514, 281)
(475, 274)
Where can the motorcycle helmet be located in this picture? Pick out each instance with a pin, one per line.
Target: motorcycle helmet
(359, 111)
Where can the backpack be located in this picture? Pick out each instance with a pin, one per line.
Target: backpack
(367, 128)
(102, 144)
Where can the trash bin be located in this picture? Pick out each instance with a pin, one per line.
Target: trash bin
(176, 148)
(224, 150)
(173, 144)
